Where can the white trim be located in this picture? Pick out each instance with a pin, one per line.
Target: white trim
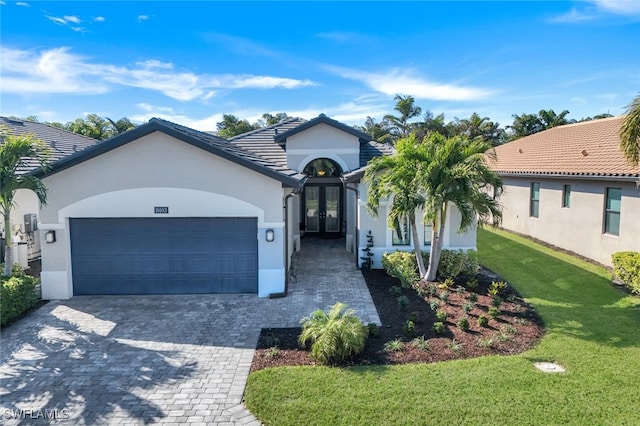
(347, 151)
(50, 226)
(322, 154)
(270, 225)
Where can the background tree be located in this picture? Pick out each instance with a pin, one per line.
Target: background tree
(120, 126)
(380, 132)
(16, 153)
(93, 126)
(630, 133)
(433, 124)
(405, 105)
(269, 119)
(482, 128)
(548, 118)
(231, 126)
(528, 124)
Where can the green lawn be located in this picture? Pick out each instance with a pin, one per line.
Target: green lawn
(592, 328)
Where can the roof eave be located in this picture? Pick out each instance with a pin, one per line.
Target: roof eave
(579, 176)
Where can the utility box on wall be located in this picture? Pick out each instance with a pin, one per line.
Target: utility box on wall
(30, 223)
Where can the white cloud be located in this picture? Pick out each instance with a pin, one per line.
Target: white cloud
(60, 71)
(620, 7)
(397, 81)
(57, 20)
(72, 18)
(345, 37)
(23, 4)
(142, 18)
(99, 19)
(206, 124)
(2, 3)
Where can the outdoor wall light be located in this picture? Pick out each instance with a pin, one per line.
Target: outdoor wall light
(270, 235)
(50, 237)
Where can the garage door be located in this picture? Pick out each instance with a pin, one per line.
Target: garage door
(164, 255)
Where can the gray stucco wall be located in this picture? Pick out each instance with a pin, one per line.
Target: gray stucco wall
(580, 227)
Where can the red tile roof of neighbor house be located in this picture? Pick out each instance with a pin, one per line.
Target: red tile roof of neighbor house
(585, 149)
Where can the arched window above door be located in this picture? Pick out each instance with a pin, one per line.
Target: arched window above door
(323, 167)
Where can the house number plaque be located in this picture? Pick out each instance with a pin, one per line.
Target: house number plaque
(161, 210)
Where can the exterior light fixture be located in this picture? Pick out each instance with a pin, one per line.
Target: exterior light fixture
(50, 237)
(270, 235)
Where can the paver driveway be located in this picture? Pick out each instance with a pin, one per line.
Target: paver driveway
(168, 359)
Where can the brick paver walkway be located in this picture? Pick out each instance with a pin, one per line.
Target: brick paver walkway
(159, 359)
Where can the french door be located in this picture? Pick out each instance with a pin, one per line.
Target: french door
(323, 208)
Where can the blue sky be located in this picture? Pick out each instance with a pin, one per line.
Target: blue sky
(191, 62)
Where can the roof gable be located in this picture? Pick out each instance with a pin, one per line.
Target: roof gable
(323, 119)
(585, 149)
(205, 141)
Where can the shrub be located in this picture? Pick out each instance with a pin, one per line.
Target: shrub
(468, 307)
(401, 265)
(18, 294)
(444, 296)
(626, 269)
(497, 287)
(394, 345)
(496, 301)
(459, 290)
(420, 343)
(438, 328)
(483, 321)
(472, 284)
(463, 324)
(473, 297)
(273, 352)
(494, 312)
(395, 291)
(403, 301)
(447, 283)
(334, 336)
(441, 316)
(409, 328)
(455, 263)
(432, 289)
(454, 345)
(271, 339)
(434, 305)
(414, 316)
(374, 330)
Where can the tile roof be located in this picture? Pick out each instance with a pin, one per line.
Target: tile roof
(323, 119)
(585, 149)
(264, 142)
(62, 143)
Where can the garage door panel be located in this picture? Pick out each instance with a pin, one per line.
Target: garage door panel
(164, 256)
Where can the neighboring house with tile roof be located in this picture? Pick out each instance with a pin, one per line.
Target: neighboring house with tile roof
(571, 187)
(62, 143)
(164, 208)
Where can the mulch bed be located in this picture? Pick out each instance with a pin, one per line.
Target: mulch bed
(515, 330)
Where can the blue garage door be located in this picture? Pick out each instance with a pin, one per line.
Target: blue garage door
(164, 255)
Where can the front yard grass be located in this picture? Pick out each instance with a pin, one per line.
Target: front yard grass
(593, 330)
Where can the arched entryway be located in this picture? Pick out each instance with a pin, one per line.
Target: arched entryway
(323, 199)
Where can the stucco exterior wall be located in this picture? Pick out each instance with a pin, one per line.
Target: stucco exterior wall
(158, 170)
(26, 202)
(383, 236)
(323, 141)
(579, 227)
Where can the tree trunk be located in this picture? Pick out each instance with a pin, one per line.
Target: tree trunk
(8, 253)
(416, 245)
(436, 243)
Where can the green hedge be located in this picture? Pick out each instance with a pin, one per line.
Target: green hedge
(626, 268)
(17, 294)
(453, 263)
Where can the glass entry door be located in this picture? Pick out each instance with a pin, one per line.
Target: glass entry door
(323, 208)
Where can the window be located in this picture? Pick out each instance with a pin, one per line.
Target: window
(612, 211)
(566, 196)
(428, 229)
(400, 232)
(534, 199)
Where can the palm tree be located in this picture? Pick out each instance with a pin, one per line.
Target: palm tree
(433, 175)
(405, 105)
(630, 133)
(455, 173)
(397, 176)
(16, 153)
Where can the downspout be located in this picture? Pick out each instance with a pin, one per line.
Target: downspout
(356, 237)
(285, 208)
